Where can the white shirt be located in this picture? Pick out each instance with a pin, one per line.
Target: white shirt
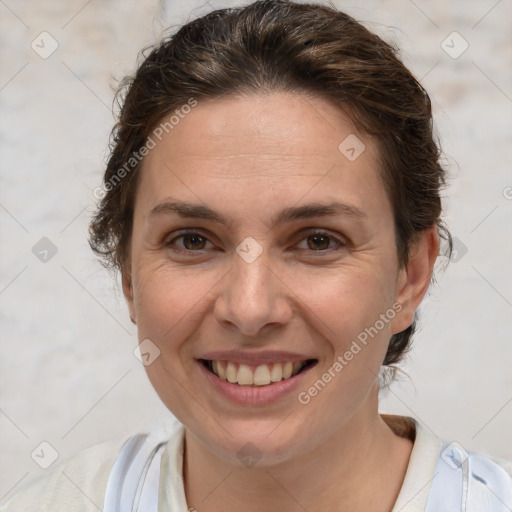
(79, 484)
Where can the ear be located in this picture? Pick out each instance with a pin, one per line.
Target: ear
(127, 282)
(414, 279)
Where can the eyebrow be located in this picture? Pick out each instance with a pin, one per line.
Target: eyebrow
(199, 211)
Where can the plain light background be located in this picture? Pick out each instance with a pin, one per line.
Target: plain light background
(68, 375)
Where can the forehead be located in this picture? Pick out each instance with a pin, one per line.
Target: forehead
(260, 152)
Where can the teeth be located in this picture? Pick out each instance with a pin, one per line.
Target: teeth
(231, 373)
(220, 371)
(287, 370)
(262, 375)
(245, 377)
(277, 373)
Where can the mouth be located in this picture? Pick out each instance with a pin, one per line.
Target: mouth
(256, 375)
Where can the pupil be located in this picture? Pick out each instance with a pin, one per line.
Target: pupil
(194, 239)
(320, 237)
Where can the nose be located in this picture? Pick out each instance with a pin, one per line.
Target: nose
(253, 298)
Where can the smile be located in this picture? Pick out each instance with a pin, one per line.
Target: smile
(260, 375)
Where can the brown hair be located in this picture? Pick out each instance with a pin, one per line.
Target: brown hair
(279, 45)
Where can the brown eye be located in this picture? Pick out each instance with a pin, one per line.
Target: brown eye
(192, 241)
(321, 241)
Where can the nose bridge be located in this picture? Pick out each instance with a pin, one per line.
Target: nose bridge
(251, 274)
(252, 296)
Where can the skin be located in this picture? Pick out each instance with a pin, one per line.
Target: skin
(247, 158)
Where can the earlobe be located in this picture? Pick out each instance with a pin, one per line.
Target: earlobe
(414, 279)
(127, 284)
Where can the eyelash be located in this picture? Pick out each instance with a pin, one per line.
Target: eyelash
(340, 243)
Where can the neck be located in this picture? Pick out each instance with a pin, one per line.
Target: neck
(361, 466)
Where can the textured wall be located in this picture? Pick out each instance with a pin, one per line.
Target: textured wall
(68, 375)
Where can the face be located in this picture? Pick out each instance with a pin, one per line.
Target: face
(284, 261)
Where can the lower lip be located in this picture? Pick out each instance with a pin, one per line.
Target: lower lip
(254, 395)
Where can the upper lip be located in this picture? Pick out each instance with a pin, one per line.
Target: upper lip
(255, 358)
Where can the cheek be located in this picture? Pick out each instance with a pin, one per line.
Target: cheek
(340, 302)
(343, 302)
(169, 303)
(352, 310)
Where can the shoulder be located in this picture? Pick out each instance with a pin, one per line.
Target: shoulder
(443, 476)
(470, 479)
(77, 483)
(490, 480)
(506, 465)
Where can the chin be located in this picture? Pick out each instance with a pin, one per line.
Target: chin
(253, 442)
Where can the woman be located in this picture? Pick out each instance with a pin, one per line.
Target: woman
(272, 201)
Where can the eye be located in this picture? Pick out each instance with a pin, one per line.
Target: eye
(319, 241)
(192, 241)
